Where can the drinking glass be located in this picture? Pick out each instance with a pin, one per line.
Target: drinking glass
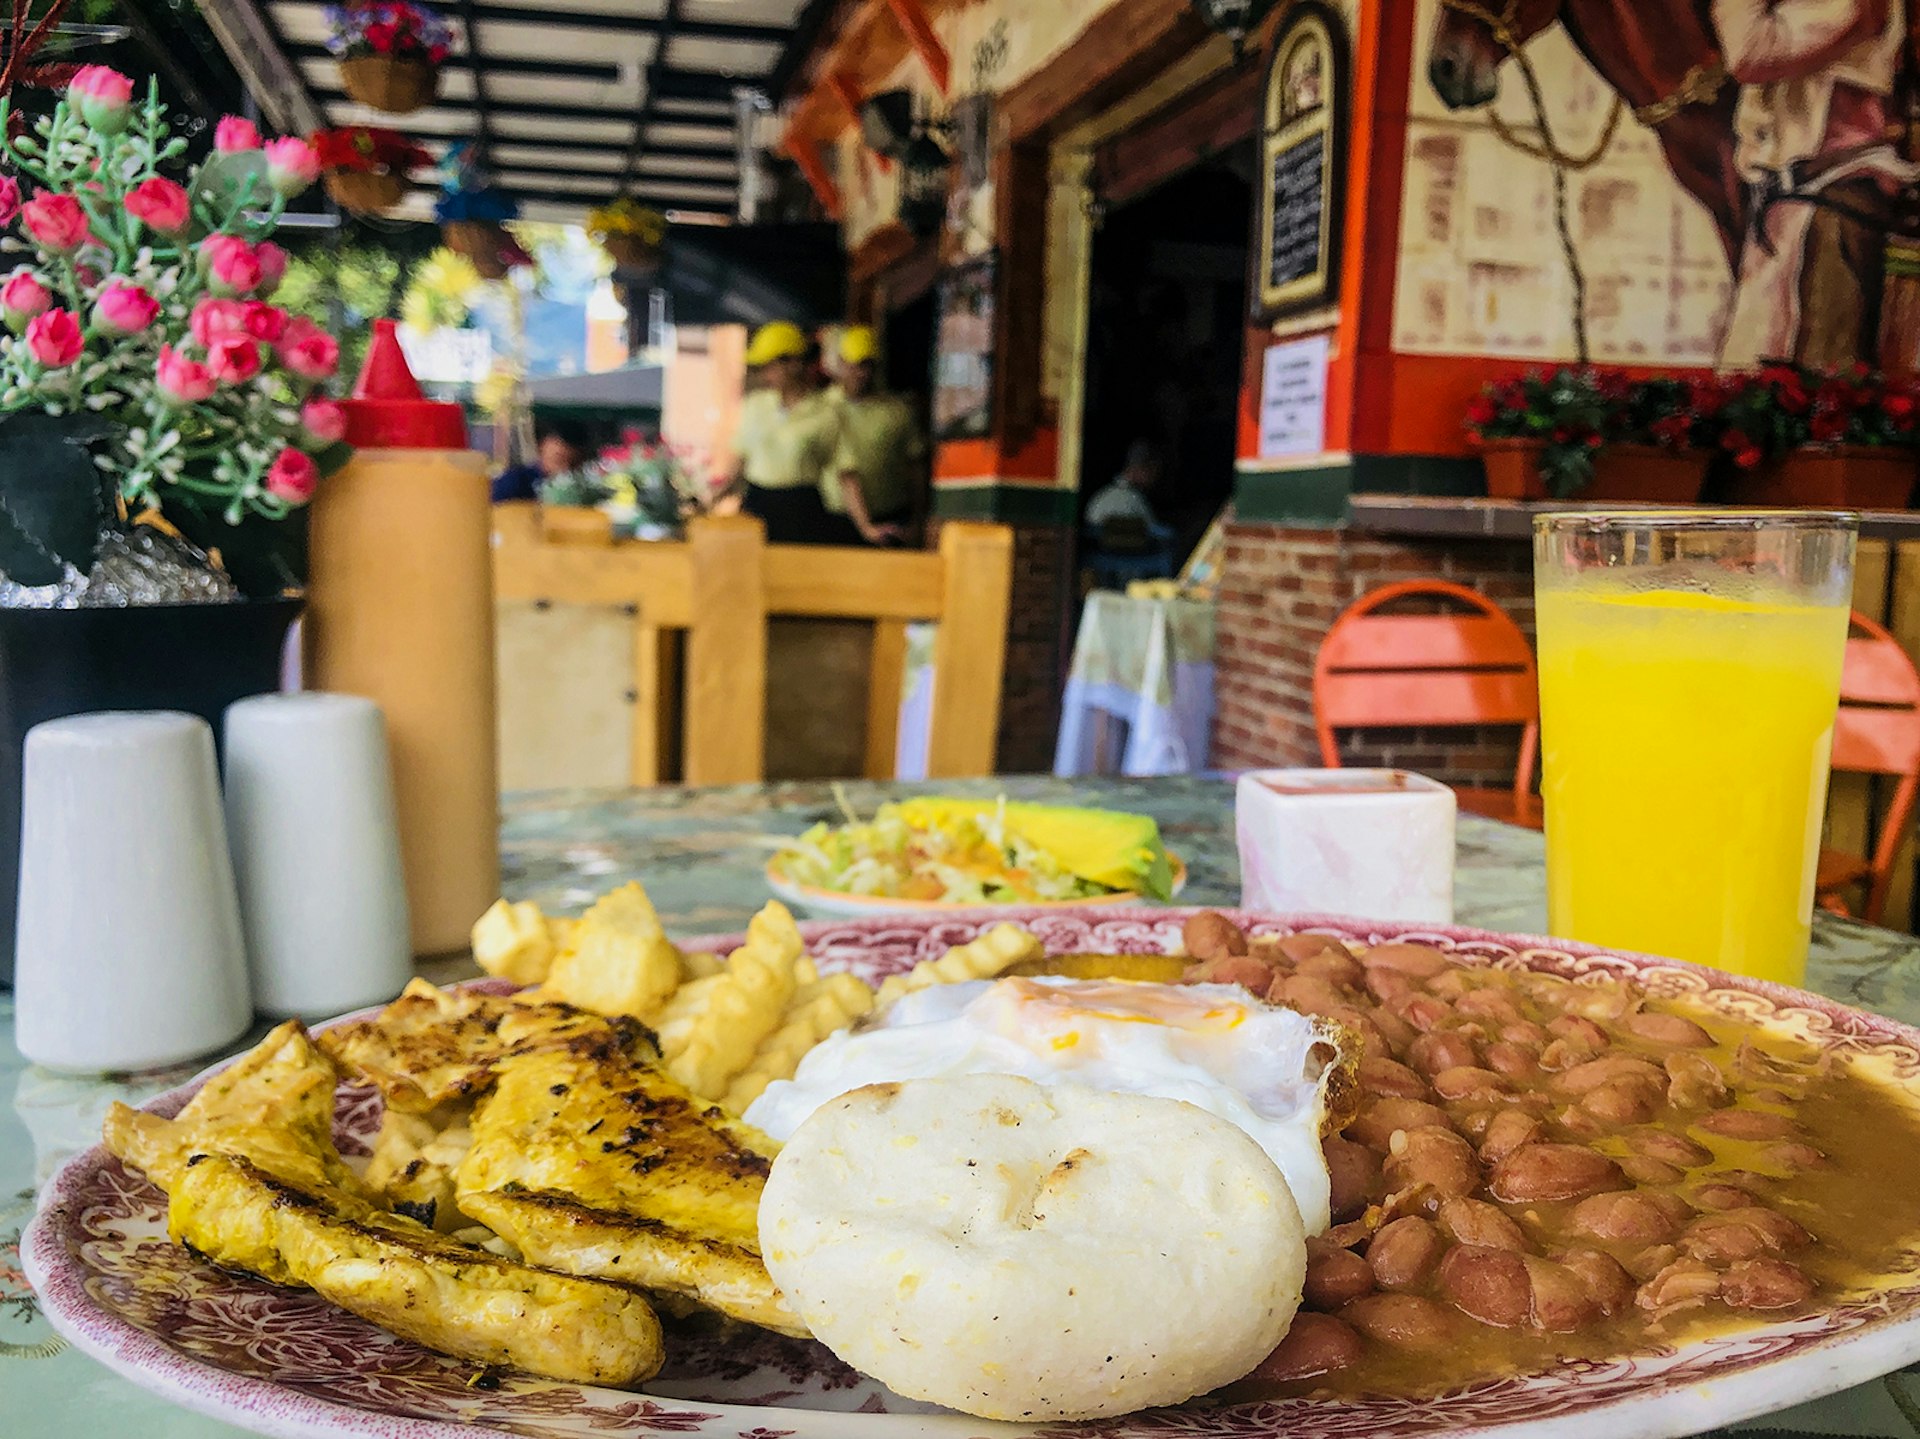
(1689, 679)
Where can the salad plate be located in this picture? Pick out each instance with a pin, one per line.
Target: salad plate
(824, 903)
(284, 1363)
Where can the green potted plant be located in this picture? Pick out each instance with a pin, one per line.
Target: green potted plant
(163, 423)
(1657, 439)
(1844, 438)
(1537, 432)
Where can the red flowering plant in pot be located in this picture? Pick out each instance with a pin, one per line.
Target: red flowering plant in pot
(1809, 437)
(390, 52)
(1658, 438)
(366, 167)
(145, 367)
(1537, 432)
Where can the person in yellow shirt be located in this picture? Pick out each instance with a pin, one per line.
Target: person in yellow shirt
(875, 476)
(788, 436)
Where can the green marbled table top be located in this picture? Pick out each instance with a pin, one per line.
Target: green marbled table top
(701, 854)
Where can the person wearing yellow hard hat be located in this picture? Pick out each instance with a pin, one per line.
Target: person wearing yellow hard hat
(789, 434)
(876, 474)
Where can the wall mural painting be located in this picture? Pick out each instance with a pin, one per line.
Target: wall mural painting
(1663, 182)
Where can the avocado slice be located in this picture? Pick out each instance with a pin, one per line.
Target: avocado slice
(1108, 847)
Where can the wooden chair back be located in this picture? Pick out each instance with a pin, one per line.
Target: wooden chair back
(715, 592)
(1460, 661)
(1877, 732)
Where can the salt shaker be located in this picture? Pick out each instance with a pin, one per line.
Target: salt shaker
(1373, 844)
(316, 849)
(129, 948)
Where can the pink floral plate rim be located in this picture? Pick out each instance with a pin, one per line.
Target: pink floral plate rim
(79, 1246)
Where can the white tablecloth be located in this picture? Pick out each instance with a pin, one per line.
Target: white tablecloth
(1148, 664)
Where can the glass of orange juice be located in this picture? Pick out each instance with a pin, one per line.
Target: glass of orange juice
(1689, 679)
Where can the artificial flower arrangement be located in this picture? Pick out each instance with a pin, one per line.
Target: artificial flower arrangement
(144, 366)
(366, 167)
(1781, 408)
(631, 233)
(645, 484)
(390, 52)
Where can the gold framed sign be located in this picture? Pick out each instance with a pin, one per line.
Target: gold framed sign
(1302, 175)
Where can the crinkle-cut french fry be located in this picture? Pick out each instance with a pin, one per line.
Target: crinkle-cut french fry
(819, 1008)
(699, 964)
(987, 957)
(618, 960)
(675, 1021)
(744, 1005)
(514, 941)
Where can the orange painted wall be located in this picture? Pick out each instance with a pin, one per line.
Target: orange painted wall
(1035, 463)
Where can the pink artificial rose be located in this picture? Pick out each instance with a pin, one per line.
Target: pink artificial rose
(184, 381)
(101, 94)
(292, 165)
(264, 321)
(124, 309)
(233, 359)
(292, 477)
(160, 205)
(211, 319)
(22, 297)
(235, 132)
(273, 266)
(308, 350)
(9, 199)
(54, 339)
(232, 266)
(56, 222)
(324, 421)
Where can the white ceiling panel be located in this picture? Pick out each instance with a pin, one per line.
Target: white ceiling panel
(729, 57)
(669, 133)
(510, 126)
(507, 156)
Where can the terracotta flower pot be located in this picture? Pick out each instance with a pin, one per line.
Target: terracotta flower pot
(1513, 469)
(366, 192)
(395, 85)
(1647, 473)
(1854, 477)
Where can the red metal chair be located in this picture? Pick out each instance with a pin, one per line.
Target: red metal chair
(1877, 733)
(1468, 666)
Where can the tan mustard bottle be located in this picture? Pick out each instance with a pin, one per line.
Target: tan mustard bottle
(400, 609)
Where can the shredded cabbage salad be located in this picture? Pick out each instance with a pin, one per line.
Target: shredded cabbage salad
(971, 861)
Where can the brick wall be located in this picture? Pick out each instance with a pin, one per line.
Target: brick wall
(1038, 644)
(1280, 590)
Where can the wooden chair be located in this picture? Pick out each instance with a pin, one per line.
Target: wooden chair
(1877, 733)
(715, 592)
(1470, 665)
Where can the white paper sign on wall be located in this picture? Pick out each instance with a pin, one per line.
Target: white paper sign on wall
(1293, 398)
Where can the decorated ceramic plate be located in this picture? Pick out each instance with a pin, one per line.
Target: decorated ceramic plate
(285, 1363)
(835, 904)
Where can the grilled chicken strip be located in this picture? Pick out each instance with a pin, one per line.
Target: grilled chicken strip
(614, 1169)
(432, 1046)
(254, 1183)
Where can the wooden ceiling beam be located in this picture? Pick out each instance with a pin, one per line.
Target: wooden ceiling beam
(917, 26)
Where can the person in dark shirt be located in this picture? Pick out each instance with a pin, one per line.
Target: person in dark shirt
(559, 446)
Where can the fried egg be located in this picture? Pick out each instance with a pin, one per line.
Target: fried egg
(1271, 1073)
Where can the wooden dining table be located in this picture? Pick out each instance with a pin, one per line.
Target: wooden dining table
(701, 853)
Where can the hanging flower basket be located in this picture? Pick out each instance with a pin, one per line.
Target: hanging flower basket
(483, 242)
(1852, 477)
(366, 192)
(1513, 468)
(395, 84)
(630, 233)
(1652, 474)
(631, 252)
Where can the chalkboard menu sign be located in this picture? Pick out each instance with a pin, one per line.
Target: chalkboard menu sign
(1303, 152)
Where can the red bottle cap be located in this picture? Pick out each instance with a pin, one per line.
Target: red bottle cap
(388, 410)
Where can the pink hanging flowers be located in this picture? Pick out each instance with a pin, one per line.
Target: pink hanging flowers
(54, 339)
(22, 297)
(56, 221)
(182, 380)
(124, 308)
(235, 133)
(159, 204)
(232, 265)
(103, 96)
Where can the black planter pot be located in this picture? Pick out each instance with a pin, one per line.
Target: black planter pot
(53, 663)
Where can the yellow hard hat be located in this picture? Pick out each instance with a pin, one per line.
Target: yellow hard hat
(781, 340)
(858, 345)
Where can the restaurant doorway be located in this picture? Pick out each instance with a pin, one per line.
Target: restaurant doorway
(1166, 326)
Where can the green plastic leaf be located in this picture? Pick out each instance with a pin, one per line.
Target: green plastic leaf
(333, 456)
(228, 182)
